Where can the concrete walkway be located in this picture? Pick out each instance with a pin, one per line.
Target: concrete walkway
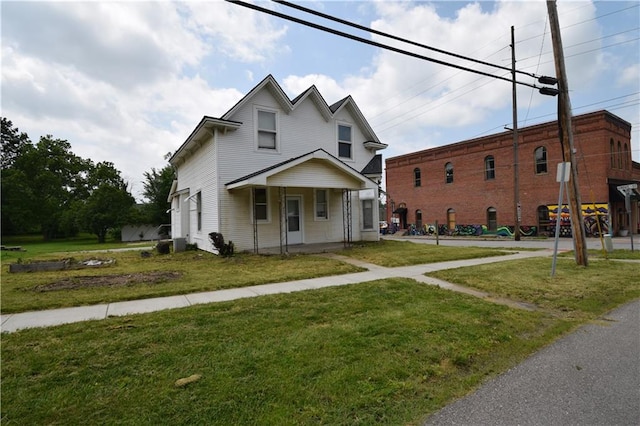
(13, 322)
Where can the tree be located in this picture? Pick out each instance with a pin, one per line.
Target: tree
(13, 143)
(156, 190)
(14, 181)
(109, 203)
(56, 181)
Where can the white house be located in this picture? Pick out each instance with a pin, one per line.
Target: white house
(275, 172)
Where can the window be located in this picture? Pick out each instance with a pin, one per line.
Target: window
(448, 173)
(489, 168)
(612, 151)
(260, 204)
(199, 210)
(267, 134)
(416, 177)
(492, 219)
(418, 219)
(626, 156)
(344, 141)
(619, 156)
(541, 159)
(322, 204)
(367, 214)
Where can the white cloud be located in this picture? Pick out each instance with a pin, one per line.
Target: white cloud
(629, 76)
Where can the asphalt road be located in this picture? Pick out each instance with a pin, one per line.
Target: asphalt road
(590, 377)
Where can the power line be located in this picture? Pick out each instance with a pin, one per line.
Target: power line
(391, 36)
(372, 43)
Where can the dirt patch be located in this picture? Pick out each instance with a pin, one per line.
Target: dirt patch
(73, 283)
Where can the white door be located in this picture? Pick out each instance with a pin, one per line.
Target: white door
(294, 220)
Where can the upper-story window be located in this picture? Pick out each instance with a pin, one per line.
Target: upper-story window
(267, 130)
(626, 156)
(540, 155)
(448, 173)
(417, 178)
(344, 142)
(619, 155)
(612, 151)
(489, 167)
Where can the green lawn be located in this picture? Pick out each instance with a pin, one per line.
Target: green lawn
(194, 272)
(403, 253)
(383, 352)
(386, 352)
(574, 290)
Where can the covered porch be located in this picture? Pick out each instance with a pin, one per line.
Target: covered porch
(306, 204)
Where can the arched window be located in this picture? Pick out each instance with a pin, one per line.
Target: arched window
(451, 219)
(418, 219)
(619, 155)
(626, 157)
(416, 177)
(543, 218)
(489, 167)
(612, 152)
(448, 173)
(541, 159)
(492, 219)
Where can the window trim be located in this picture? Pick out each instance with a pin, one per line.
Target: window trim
(267, 205)
(489, 173)
(341, 141)
(417, 178)
(448, 172)
(364, 210)
(544, 161)
(315, 204)
(257, 111)
(199, 211)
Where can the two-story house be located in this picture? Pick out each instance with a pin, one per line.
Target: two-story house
(275, 172)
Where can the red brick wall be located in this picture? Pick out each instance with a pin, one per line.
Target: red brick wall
(471, 194)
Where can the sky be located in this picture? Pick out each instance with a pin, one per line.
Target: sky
(127, 82)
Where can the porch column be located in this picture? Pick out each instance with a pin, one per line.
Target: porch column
(255, 220)
(347, 232)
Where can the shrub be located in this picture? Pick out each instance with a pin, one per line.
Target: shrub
(225, 250)
(163, 247)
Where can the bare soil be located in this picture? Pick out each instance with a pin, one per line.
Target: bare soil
(92, 281)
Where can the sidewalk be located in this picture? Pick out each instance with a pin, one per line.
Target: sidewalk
(13, 322)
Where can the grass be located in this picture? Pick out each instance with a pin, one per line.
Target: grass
(573, 291)
(199, 271)
(404, 253)
(383, 352)
(623, 254)
(35, 246)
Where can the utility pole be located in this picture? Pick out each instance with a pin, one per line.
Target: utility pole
(566, 139)
(516, 178)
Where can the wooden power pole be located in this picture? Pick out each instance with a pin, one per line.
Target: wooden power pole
(566, 139)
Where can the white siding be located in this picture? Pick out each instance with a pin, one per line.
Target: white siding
(314, 174)
(235, 155)
(198, 174)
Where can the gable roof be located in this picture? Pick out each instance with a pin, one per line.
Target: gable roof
(260, 177)
(225, 123)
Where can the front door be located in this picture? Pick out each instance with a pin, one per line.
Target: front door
(294, 220)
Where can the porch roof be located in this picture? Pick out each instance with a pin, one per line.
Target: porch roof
(331, 167)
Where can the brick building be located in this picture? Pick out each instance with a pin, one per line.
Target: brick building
(468, 187)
